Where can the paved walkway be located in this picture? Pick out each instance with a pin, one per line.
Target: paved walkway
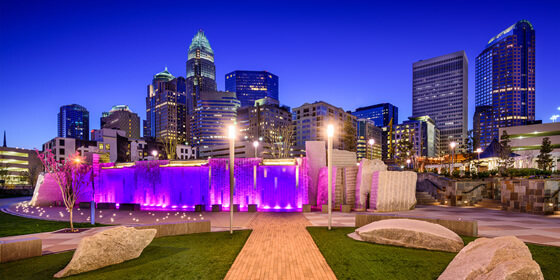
(530, 228)
(280, 248)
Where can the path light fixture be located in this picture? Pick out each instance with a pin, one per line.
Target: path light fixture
(452, 145)
(330, 134)
(256, 145)
(231, 136)
(371, 142)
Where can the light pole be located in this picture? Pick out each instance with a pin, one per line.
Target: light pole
(330, 134)
(256, 145)
(371, 142)
(452, 144)
(408, 164)
(478, 151)
(154, 153)
(231, 178)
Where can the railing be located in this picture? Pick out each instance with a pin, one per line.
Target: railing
(437, 187)
(474, 188)
(554, 194)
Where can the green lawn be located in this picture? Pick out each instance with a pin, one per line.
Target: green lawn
(11, 225)
(192, 256)
(351, 259)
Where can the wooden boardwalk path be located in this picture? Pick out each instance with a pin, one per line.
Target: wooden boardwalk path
(280, 248)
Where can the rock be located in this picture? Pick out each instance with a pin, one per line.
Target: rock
(363, 181)
(322, 189)
(504, 257)
(411, 233)
(108, 247)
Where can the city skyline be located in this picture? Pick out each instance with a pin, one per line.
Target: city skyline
(90, 70)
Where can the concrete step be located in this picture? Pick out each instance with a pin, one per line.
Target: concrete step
(489, 204)
(489, 200)
(556, 212)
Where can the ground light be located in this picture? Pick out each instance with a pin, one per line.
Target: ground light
(330, 134)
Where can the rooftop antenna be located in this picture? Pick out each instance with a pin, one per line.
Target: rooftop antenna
(4, 139)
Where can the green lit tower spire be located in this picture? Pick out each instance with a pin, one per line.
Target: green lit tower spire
(201, 71)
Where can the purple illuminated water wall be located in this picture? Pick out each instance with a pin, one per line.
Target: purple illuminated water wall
(158, 184)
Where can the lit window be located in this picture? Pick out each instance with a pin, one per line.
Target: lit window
(101, 146)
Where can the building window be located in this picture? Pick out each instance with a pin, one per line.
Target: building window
(61, 151)
(61, 142)
(107, 147)
(101, 146)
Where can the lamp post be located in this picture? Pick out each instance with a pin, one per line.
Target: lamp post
(231, 129)
(371, 142)
(478, 151)
(452, 144)
(256, 145)
(155, 153)
(408, 164)
(330, 134)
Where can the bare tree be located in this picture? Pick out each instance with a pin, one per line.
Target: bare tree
(279, 140)
(169, 146)
(72, 177)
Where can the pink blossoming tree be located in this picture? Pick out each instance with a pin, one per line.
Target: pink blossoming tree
(72, 177)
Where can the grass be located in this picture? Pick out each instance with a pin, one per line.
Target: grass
(351, 259)
(11, 225)
(192, 256)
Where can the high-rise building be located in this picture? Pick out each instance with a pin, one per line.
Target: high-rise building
(440, 90)
(201, 71)
(250, 86)
(379, 114)
(73, 122)
(367, 131)
(166, 108)
(422, 132)
(505, 82)
(120, 117)
(311, 120)
(214, 112)
(265, 117)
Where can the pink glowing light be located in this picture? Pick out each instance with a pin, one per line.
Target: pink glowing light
(174, 206)
(277, 207)
(118, 204)
(266, 207)
(184, 206)
(164, 206)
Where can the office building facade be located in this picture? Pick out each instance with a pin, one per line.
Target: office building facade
(201, 71)
(311, 120)
(379, 114)
(367, 130)
(214, 112)
(166, 108)
(505, 82)
(440, 90)
(122, 118)
(422, 132)
(73, 122)
(257, 123)
(250, 86)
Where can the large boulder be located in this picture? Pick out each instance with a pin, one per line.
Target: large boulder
(108, 247)
(504, 257)
(411, 233)
(363, 180)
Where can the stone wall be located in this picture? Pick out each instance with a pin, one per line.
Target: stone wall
(466, 193)
(316, 159)
(342, 158)
(530, 196)
(393, 191)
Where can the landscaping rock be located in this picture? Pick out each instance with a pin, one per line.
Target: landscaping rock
(411, 233)
(504, 257)
(106, 248)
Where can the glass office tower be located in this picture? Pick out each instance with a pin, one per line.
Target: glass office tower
(505, 82)
(380, 114)
(73, 122)
(201, 71)
(251, 86)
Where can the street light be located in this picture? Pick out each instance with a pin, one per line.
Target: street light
(371, 142)
(330, 134)
(154, 153)
(452, 144)
(478, 151)
(408, 163)
(256, 145)
(231, 130)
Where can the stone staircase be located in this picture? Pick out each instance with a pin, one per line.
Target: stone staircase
(424, 198)
(489, 203)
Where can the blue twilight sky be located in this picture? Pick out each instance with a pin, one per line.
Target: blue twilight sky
(347, 53)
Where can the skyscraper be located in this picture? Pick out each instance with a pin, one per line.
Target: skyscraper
(120, 117)
(166, 108)
(505, 82)
(73, 122)
(201, 71)
(261, 121)
(379, 114)
(214, 112)
(251, 86)
(440, 90)
(367, 130)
